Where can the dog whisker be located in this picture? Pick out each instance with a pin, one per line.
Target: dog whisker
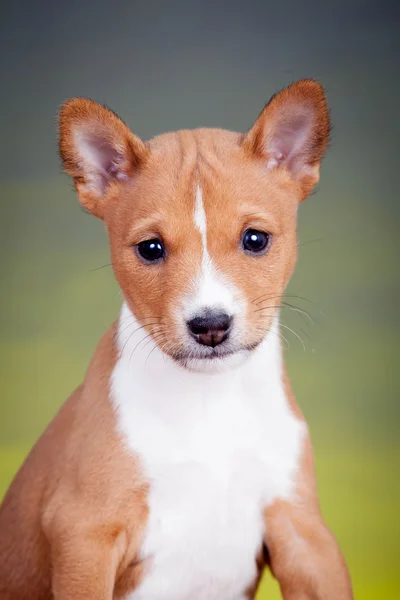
(294, 333)
(132, 321)
(149, 335)
(133, 332)
(300, 245)
(267, 307)
(301, 311)
(155, 340)
(101, 267)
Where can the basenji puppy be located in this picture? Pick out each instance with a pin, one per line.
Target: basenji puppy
(182, 465)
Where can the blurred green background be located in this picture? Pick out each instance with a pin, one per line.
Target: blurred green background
(168, 65)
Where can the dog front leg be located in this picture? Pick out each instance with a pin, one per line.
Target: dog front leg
(84, 566)
(304, 555)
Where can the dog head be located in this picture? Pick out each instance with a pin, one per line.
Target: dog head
(202, 223)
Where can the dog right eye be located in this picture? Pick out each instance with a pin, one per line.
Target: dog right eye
(150, 250)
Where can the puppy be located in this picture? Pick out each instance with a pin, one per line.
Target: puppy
(182, 465)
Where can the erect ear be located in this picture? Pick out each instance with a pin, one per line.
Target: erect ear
(292, 132)
(98, 150)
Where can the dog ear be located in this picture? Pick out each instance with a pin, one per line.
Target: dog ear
(98, 150)
(292, 132)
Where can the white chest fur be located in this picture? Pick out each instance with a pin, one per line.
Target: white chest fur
(216, 449)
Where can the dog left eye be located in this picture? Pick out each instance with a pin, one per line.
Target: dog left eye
(151, 250)
(255, 242)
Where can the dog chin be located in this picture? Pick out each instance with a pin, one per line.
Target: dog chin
(214, 364)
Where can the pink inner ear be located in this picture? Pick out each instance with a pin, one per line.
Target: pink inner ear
(102, 156)
(289, 138)
(101, 159)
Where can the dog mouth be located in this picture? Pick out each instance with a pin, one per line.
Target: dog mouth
(216, 354)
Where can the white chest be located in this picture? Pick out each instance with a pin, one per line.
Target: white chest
(216, 449)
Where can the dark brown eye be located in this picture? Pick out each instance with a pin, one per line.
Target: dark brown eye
(151, 250)
(255, 242)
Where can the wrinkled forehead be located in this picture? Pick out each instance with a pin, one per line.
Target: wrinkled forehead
(211, 163)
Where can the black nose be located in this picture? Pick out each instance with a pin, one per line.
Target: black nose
(211, 329)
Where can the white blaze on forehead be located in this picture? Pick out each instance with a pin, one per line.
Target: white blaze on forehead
(200, 219)
(212, 290)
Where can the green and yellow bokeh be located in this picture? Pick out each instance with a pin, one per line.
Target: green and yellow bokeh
(160, 72)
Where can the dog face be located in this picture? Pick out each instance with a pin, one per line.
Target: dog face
(202, 223)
